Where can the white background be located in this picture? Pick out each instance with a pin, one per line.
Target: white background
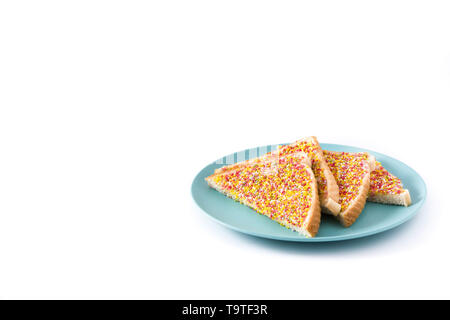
(108, 109)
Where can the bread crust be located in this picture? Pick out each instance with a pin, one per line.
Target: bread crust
(349, 216)
(371, 161)
(330, 200)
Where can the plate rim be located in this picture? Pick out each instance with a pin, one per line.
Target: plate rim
(328, 238)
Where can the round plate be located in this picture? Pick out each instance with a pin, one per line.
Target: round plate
(375, 217)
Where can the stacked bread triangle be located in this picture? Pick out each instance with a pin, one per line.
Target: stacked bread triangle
(296, 183)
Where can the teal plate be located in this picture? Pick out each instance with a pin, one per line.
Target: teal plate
(375, 217)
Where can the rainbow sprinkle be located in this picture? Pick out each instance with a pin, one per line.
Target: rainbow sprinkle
(349, 170)
(281, 190)
(383, 182)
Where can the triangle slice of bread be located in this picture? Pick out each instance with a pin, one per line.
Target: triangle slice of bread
(352, 174)
(281, 188)
(387, 188)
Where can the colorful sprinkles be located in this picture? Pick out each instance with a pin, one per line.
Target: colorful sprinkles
(281, 190)
(349, 169)
(312, 150)
(383, 182)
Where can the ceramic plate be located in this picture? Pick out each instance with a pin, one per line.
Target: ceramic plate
(375, 217)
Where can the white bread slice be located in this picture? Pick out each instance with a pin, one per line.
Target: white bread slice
(352, 174)
(387, 188)
(281, 188)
